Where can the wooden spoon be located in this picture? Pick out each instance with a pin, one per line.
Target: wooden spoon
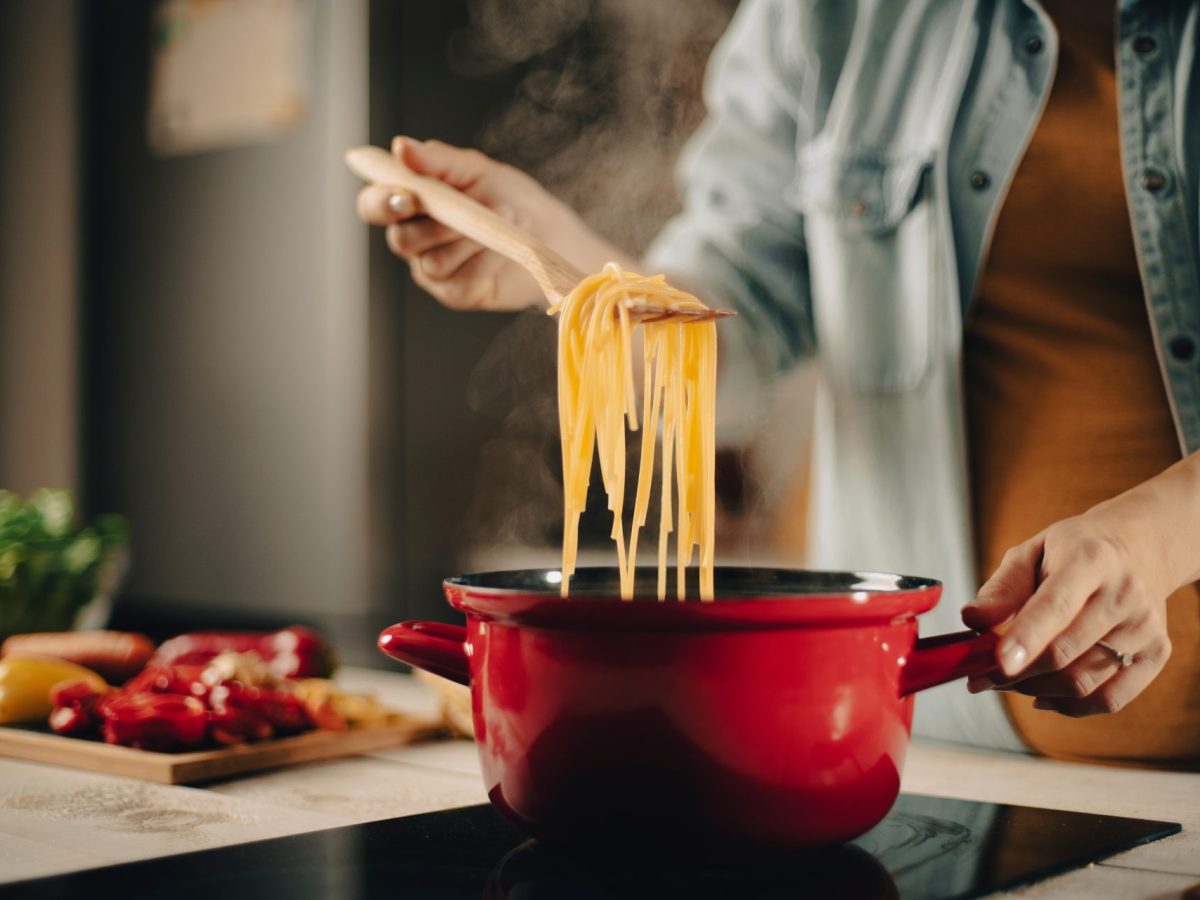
(553, 274)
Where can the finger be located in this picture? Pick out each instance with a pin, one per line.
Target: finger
(403, 205)
(1078, 679)
(417, 236)
(1095, 620)
(491, 183)
(473, 286)
(977, 684)
(441, 263)
(1113, 615)
(380, 205)
(456, 166)
(1118, 690)
(514, 288)
(1013, 582)
(1047, 614)
(1077, 654)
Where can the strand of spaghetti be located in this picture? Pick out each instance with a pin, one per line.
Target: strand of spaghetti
(624, 374)
(577, 449)
(651, 408)
(609, 421)
(655, 376)
(683, 546)
(619, 291)
(567, 400)
(666, 522)
(708, 453)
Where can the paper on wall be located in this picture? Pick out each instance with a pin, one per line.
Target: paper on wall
(227, 72)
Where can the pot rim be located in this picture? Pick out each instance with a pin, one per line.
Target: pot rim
(747, 598)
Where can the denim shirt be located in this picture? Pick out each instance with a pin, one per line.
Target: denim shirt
(841, 195)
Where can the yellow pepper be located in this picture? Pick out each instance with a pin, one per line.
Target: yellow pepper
(322, 696)
(26, 681)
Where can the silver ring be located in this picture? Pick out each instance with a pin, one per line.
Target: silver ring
(1125, 659)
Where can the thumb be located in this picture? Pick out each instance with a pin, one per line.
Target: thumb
(1013, 583)
(458, 167)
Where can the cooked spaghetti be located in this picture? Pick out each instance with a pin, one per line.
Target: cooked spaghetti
(596, 398)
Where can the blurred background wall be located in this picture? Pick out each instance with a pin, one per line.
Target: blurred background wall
(225, 339)
(39, 251)
(211, 344)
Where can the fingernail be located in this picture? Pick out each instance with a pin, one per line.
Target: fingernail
(979, 684)
(400, 205)
(1012, 657)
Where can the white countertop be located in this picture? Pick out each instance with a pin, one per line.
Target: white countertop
(56, 820)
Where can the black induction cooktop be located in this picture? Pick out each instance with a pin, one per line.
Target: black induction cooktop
(927, 847)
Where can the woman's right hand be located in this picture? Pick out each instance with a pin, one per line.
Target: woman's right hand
(458, 272)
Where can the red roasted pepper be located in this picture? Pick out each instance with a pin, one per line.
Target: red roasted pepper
(75, 707)
(153, 721)
(235, 725)
(70, 720)
(173, 708)
(75, 693)
(235, 716)
(286, 713)
(293, 652)
(179, 679)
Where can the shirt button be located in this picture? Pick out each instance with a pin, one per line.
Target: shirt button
(1182, 348)
(1033, 45)
(1153, 180)
(980, 180)
(1144, 44)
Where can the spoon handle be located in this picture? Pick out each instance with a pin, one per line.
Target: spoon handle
(452, 207)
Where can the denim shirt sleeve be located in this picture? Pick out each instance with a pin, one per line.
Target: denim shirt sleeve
(739, 241)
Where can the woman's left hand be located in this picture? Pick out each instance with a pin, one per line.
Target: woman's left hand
(1090, 590)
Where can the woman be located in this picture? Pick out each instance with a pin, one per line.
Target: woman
(981, 218)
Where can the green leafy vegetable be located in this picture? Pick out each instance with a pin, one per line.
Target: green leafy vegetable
(49, 567)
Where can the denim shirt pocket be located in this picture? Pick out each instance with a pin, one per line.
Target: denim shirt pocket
(870, 231)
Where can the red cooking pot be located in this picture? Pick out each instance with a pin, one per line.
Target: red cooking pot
(777, 715)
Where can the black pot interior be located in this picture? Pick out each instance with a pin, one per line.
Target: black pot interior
(729, 582)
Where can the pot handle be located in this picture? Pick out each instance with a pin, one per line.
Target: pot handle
(433, 646)
(936, 660)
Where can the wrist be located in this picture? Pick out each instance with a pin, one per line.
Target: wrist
(1180, 490)
(575, 240)
(1162, 515)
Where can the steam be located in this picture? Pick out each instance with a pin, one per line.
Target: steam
(518, 495)
(610, 91)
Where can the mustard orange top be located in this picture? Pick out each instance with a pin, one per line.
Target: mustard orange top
(1065, 398)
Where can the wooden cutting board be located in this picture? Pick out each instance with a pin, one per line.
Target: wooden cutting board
(192, 767)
